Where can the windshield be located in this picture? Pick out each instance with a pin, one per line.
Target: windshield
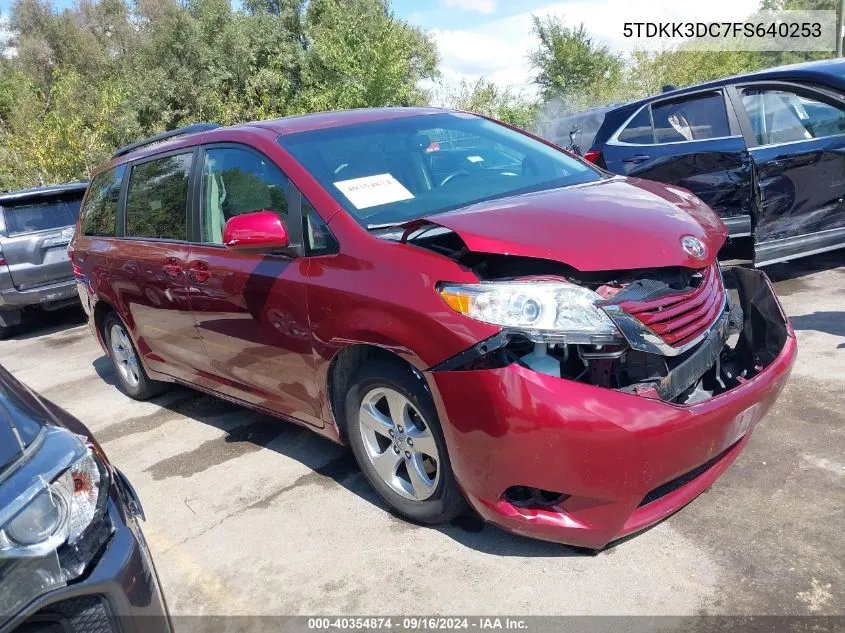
(390, 172)
(26, 218)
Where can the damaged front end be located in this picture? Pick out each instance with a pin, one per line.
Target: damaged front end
(675, 334)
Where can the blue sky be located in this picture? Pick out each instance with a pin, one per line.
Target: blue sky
(492, 38)
(459, 14)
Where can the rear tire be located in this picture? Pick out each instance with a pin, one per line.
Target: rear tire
(131, 377)
(396, 438)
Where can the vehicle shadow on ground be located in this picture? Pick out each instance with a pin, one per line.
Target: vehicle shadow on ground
(806, 266)
(46, 323)
(330, 464)
(828, 322)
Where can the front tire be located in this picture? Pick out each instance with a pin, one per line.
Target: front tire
(396, 438)
(131, 377)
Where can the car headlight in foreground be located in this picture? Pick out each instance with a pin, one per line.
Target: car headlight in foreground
(542, 310)
(53, 522)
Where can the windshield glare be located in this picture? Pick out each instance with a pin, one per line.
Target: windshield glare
(390, 172)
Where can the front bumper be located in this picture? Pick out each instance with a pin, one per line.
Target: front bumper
(624, 460)
(120, 594)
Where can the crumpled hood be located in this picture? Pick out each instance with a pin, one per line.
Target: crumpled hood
(616, 224)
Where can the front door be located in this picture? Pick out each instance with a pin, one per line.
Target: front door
(251, 308)
(695, 142)
(148, 271)
(797, 139)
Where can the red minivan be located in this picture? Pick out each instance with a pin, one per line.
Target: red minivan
(481, 316)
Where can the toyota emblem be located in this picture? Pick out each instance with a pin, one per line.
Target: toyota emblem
(693, 247)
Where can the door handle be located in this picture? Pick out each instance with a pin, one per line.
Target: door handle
(639, 158)
(172, 270)
(199, 273)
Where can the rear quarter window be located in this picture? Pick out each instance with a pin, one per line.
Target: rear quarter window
(100, 211)
(638, 131)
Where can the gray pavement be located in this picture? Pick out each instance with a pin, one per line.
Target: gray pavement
(250, 515)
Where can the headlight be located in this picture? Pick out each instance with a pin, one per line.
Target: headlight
(544, 311)
(55, 522)
(42, 521)
(55, 513)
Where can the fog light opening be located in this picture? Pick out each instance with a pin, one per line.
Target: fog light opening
(530, 497)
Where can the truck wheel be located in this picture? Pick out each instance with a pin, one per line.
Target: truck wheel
(131, 377)
(396, 438)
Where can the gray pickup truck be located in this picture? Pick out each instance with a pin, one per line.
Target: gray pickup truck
(35, 228)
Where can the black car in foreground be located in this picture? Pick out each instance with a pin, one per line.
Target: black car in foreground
(35, 228)
(765, 150)
(72, 556)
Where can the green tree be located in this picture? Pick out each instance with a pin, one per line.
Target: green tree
(569, 61)
(486, 97)
(58, 137)
(87, 79)
(359, 54)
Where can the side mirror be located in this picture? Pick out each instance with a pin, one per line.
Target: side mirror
(258, 231)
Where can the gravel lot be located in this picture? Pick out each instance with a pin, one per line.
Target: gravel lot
(250, 515)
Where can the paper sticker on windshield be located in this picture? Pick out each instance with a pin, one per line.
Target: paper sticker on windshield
(475, 159)
(372, 191)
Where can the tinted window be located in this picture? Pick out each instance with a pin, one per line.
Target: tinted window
(41, 216)
(236, 181)
(694, 119)
(392, 171)
(157, 198)
(100, 209)
(779, 116)
(638, 130)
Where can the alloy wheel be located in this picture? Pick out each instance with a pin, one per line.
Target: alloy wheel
(399, 443)
(124, 355)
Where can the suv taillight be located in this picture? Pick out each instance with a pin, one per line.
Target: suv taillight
(593, 156)
(77, 269)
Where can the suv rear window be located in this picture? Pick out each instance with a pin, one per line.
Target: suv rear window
(157, 198)
(580, 128)
(40, 216)
(98, 215)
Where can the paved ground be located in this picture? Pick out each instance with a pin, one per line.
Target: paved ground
(249, 515)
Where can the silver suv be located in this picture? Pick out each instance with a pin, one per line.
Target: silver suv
(35, 228)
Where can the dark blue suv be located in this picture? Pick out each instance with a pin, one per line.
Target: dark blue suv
(765, 150)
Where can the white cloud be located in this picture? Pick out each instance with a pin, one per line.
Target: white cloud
(498, 49)
(479, 6)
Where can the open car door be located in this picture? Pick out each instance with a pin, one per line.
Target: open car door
(796, 137)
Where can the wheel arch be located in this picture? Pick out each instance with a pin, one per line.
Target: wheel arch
(345, 362)
(98, 314)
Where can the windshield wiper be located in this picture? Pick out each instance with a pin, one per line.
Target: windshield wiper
(386, 225)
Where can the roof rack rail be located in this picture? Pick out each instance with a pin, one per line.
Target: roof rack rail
(159, 138)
